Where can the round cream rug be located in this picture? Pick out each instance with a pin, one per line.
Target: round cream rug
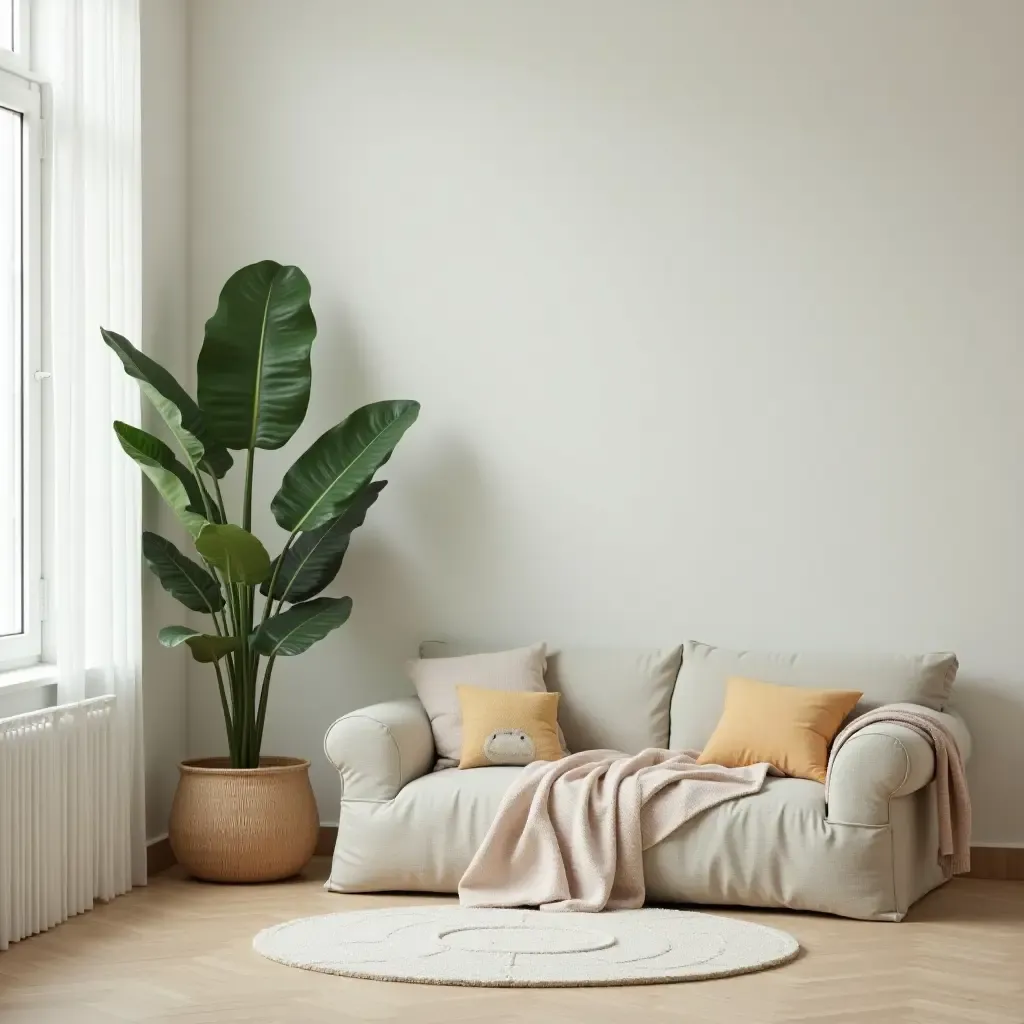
(525, 948)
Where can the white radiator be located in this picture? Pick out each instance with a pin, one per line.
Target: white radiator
(64, 833)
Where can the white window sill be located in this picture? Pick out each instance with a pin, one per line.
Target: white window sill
(32, 677)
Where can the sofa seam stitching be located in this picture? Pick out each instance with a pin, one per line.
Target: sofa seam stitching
(906, 770)
(855, 824)
(888, 809)
(888, 815)
(892, 859)
(390, 735)
(328, 733)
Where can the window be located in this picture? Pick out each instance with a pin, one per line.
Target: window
(7, 27)
(20, 346)
(14, 32)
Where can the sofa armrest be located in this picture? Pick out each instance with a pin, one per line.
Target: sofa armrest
(379, 749)
(883, 762)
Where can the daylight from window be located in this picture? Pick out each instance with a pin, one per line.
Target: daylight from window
(11, 352)
(6, 24)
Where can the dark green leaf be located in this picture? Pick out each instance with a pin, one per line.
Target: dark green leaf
(182, 578)
(254, 372)
(148, 445)
(297, 629)
(339, 463)
(168, 475)
(166, 393)
(236, 552)
(314, 559)
(204, 646)
(215, 516)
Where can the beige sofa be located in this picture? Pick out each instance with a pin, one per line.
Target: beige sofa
(869, 853)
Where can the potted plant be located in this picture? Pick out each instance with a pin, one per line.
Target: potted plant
(248, 817)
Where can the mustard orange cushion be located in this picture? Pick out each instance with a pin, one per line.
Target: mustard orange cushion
(512, 727)
(790, 727)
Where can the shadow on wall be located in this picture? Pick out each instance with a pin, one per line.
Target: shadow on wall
(341, 378)
(430, 526)
(996, 721)
(398, 585)
(388, 573)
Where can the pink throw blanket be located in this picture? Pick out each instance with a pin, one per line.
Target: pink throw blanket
(570, 834)
(954, 800)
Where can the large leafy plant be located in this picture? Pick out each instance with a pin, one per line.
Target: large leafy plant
(254, 379)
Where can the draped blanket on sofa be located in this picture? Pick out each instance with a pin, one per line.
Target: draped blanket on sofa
(570, 834)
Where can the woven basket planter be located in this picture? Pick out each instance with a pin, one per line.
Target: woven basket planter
(244, 824)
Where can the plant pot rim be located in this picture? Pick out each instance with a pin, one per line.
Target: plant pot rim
(222, 766)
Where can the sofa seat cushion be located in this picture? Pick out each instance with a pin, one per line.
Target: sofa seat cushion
(773, 849)
(699, 695)
(745, 845)
(424, 839)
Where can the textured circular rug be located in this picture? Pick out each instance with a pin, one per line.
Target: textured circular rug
(526, 948)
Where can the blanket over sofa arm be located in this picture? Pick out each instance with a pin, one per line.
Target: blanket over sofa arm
(881, 762)
(894, 751)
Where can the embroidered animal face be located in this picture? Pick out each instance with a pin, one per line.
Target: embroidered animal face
(509, 746)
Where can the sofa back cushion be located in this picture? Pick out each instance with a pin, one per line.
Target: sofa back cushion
(437, 680)
(611, 699)
(699, 695)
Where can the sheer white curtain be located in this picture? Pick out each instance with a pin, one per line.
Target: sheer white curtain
(89, 50)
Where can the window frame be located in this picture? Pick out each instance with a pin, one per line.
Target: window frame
(22, 92)
(19, 59)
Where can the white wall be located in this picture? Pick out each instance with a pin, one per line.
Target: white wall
(714, 309)
(164, 329)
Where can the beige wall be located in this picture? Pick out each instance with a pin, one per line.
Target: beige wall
(164, 328)
(714, 309)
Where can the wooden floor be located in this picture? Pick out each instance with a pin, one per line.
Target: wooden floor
(181, 951)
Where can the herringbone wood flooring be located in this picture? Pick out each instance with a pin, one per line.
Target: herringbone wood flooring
(180, 952)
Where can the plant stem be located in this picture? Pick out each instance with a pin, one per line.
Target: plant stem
(249, 666)
(231, 716)
(227, 713)
(220, 499)
(220, 623)
(197, 476)
(250, 683)
(237, 675)
(221, 628)
(247, 499)
(262, 714)
(273, 580)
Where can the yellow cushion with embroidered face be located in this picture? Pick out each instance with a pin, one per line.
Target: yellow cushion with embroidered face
(507, 727)
(790, 727)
